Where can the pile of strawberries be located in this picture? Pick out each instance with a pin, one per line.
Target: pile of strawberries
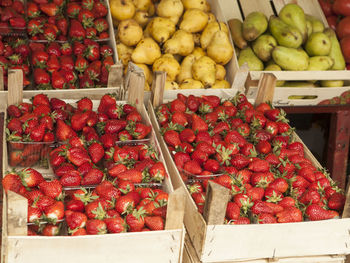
(88, 19)
(77, 20)
(50, 120)
(70, 66)
(251, 152)
(344, 98)
(12, 16)
(110, 207)
(14, 54)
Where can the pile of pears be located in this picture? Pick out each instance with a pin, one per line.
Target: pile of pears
(181, 37)
(292, 41)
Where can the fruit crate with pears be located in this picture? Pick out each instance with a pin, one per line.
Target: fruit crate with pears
(217, 75)
(294, 86)
(18, 247)
(216, 241)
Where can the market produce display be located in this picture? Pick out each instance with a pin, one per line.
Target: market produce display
(33, 127)
(344, 98)
(110, 207)
(182, 38)
(338, 16)
(292, 41)
(251, 152)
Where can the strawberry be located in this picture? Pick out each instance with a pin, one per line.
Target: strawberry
(279, 184)
(193, 167)
(76, 30)
(12, 182)
(55, 212)
(261, 207)
(115, 225)
(75, 205)
(154, 222)
(157, 172)
(42, 202)
(239, 161)
(289, 215)
(78, 156)
(287, 202)
(315, 212)
(76, 220)
(232, 211)
(259, 165)
(265, 218)
(136, 220)
(51, 230)
(131, 175)
(31, 177)
(49, 9)
(63, 131)
(34, 214)
(336, 201)
(93, 177)
(51, 188)
(96, 152)
(96, 227)
(198, 124)
(263, 147)
(172, 137)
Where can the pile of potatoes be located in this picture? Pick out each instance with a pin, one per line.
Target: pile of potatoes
(181, 37)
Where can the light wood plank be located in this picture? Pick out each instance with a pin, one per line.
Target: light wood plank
(305, 75)
(17, 214)
(264, 241)
(15, 86)
(216, 200)
(266, 89)
(150, 247)
(2, 86)
(135, 88)
(115, 76)
(263, 6)
(175, 209)
(158, 83)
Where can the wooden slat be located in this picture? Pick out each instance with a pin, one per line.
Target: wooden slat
(17, 214)
(241, 78)
(346, 211)
(2, 86)
(175, 209)
(158, 83)
(115, 76)
(249, 6)
(135, 88)
(216, 199)
(266, 89)
(230, 9)
(15, 86)
(305, 75)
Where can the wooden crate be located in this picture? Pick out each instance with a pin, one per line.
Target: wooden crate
(152, 246)
(215, 242)
(231, 9)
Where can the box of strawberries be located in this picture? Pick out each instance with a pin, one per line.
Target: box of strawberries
(280, 202)
(106, 177)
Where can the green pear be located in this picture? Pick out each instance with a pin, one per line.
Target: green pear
(236, 33)
(317, 25)
(290, 58)
(263, 46)
(299, 84)
(309, 28)
(220, 48)
(293, 15)
(335, 53)
(320, 63)
(318, 44)
(287, 36)
(332, 83)
(247, 56)
(254, 25)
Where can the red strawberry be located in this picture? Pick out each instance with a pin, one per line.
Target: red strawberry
(96, 152)
(93, 177)
(75, 205)
(259, 165)
(51, 230)
(55, 212)
(34, 214)
(265, 218)
(12, 182)
(198, 124)
(76, 220)
(154, 222)
(232, 211)
(76, 30)
(336, 201)
(115, 225)
(314, 212)
(31, 177)
(193, 167)
(96, 227)
(172, 137)
(289, 215)
(51, 188)
(63, 131)
(131, 175)
(135, 220)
